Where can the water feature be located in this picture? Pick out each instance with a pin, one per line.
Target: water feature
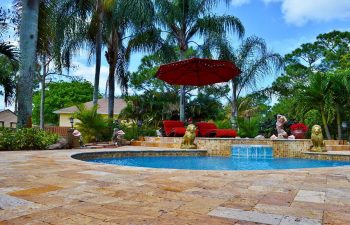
(257, 151)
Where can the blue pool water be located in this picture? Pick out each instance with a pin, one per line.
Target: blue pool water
(219, 163)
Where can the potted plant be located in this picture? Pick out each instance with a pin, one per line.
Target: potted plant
(299, 130)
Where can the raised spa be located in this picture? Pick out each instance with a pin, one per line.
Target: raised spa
(243, 157)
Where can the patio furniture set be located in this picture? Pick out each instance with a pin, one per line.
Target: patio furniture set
(174, 128)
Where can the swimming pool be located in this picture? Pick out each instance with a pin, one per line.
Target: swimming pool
(218, 163)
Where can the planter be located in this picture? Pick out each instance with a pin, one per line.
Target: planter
(298, 134)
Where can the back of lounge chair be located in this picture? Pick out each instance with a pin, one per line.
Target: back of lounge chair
(206, 129)
(174, 128)
(210, 130)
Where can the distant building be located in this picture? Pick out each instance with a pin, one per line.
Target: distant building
(66, 113)
(8, 118)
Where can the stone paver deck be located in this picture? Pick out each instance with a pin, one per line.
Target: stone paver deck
(49, 187)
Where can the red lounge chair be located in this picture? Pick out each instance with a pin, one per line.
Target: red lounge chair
(210, 130)
(174, 128)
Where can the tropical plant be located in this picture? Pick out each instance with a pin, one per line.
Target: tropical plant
(317, 95)
(182, 20)
(255, 62)
(318, 71)
(9, 51)
(8, 18)
(131, 22)
(205, 107)
(249, 127)
(8, 72)
(150, 107)
(93, 126)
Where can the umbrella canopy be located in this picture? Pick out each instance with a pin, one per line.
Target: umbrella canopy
(197, 72)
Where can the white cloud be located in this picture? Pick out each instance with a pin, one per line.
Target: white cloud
(300, 12)
(238, 3)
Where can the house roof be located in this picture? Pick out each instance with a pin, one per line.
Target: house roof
(7, 110)
(119, 105)
(8, 116)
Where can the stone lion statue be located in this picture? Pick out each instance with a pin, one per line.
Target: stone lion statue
(188, 139)
(317, 139)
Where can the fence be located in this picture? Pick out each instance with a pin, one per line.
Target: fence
(61, 131)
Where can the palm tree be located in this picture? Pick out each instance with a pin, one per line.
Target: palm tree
(255, 62)
(9, 51)
(28, 42)
(340, 89)
(182, 20)
(317, 94)
(99, 12)
(125, 21)
(8, 70)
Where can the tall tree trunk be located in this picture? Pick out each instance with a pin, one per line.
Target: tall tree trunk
(42, 100)
(234, 107)
(338, 122)
(182, 103)
(111, 56)
(28, 43)
(182, 94)
(111, 88)
(324, 121)
(98, 51)
(16, 100)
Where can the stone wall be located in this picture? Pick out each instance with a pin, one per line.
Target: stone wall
(222, 146)
(281, 148)
(326, 156)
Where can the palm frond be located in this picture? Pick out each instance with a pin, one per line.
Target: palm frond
(9, 51)
(218, 25)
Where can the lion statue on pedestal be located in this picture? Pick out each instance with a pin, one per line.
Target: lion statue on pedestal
(188, 139)
(317, 139)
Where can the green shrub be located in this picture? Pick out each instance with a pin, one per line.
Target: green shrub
(25, 139)
(133, 132)
(248, 127)
(223, 124)
(93, 126)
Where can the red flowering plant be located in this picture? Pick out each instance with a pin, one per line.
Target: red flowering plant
(299, 126)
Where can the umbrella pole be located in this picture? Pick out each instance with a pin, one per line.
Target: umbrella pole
(182, 92)
(182, 103)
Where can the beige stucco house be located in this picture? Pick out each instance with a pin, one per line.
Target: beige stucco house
(66, 113)
(8, 118)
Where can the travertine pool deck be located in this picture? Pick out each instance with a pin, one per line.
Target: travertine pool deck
(50, 187)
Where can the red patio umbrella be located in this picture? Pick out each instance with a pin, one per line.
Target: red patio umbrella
(197, 72)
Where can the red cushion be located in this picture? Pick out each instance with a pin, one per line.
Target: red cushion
(169, 126)
(225, 133)
(206, 129)
(179, 131)
(173, 123)
(206, 125)
(207, 132)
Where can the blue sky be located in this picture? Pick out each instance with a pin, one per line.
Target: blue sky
(284, 24)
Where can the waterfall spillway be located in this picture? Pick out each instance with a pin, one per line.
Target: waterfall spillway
(258, 151)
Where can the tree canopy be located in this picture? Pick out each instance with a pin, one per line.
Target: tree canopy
(60, 95)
